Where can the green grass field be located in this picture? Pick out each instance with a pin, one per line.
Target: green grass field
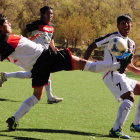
(87, 112)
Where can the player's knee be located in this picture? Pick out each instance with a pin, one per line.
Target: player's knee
(38, 92)
(132, 99)
(38, 97)
(78, 63)
(129, 96)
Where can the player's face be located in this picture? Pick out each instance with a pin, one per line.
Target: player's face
(125, 27)
(6, 28)
(48, 15)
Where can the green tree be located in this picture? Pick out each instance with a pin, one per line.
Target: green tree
(76, 29)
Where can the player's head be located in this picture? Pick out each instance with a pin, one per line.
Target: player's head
(5, 26)
(124, 24)
(46, 13)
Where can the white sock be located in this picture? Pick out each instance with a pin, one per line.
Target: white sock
(123, 112)
(25, 107)
(101, 66)
(137, 115)
(48, 89)
(18, 74)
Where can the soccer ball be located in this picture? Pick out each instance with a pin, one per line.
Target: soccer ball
(117, 46)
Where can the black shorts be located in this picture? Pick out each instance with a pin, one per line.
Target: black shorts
(50, 62)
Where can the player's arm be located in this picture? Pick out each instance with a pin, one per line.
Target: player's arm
(89, 50)
(35, 36)
(133, 69)
(26, 32)
(52, 45)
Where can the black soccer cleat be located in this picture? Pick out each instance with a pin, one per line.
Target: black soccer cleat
(118, 134)
(11, 123)
(124, 63)
(135, 128)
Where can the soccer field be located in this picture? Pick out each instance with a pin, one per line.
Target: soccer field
(87, 112)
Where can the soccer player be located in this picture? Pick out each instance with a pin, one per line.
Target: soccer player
(122, 87)
(45, 27)
(41, 62)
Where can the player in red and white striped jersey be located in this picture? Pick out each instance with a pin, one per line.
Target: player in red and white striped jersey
(41, 62)
(45, 28)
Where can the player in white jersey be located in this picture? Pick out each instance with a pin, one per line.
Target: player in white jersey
(45, 28)
(41, 62)
(122, 87)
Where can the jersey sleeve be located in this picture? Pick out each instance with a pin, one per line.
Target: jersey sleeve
(103, 41)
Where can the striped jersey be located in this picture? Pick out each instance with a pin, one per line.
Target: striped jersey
(46, 30)
(103, 42)
(19, 50)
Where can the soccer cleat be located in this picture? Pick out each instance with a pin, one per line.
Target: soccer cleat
(118, 134)
(135, 128)
(11, 123)
(54, 100)
(124, 63)
(2, 78)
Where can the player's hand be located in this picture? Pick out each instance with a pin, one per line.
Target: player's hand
(35, 36)
(55, 49)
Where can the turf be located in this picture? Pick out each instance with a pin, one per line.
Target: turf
(87, 112)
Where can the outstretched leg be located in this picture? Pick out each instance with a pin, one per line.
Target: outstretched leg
(99, 66)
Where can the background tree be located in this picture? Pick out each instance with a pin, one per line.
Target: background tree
(76, 21)
(76, 30)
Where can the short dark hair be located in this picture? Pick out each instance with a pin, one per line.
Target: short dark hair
(2, 19)
(124, 17)
(44, 9)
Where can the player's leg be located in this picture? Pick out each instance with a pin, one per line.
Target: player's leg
(19, 74)
(135, 126)
(121, 89)
(50, 97)
(99, 66)
(122, 114)
(124, 109)
(40, 76)
(25, 107)
(67, 61)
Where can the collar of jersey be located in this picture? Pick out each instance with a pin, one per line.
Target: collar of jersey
(122, 36)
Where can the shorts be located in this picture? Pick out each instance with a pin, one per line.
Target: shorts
(50, 62)
(118, 83)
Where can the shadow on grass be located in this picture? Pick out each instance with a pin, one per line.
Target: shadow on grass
(137, 137)
(63, 131)
(19, 138)
(8, 100)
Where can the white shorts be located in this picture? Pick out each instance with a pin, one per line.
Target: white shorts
(118, 83)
